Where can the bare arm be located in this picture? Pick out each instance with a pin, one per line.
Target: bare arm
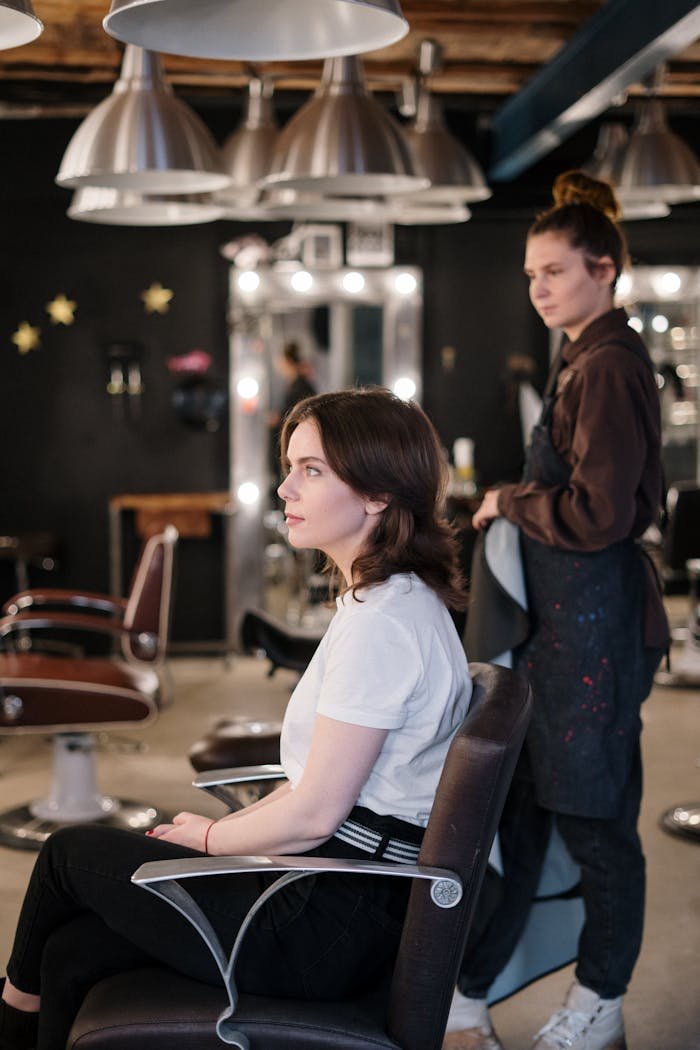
(340, 759)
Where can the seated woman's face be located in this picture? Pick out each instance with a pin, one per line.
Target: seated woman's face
(321, 511)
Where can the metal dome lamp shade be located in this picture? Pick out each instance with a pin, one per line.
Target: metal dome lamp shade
(606, 163)
(247, 153)
(342, 141)
(658, 163)
(142, 138)
(18, 23)
(257, 30)
(401, 210)
(113, 207)
(454, 174)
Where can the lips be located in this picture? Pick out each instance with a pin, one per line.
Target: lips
(292, 520)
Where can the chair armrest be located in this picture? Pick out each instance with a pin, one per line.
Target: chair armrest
(217, 781)
(57, 618)
(53, 596)
(161, 878)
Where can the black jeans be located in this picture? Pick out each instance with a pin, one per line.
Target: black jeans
(82, 919)
(612, 865)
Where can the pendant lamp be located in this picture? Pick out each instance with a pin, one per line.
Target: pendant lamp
(343, 142)
(112, 207)
(142, 138)
(606, 163)
(658, 163)
(453, 172)
(18, 23)
(257, 30)
(291, 205)
(247, 153)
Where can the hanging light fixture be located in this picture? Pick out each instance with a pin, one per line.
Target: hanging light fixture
(454, 174)
(112, 207)
(247, 153)
(18, 23)
(279, 204)
(606, 163)
(142, 138)
(257, 30)
(658, 163)
(342, 141)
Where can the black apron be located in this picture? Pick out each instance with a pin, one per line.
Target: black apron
(585, 656)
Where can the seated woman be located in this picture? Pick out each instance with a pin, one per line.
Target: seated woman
(363, 744)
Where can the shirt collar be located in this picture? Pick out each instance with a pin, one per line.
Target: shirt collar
(609, 325)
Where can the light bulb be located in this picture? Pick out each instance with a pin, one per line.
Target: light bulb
(659, 323)
(302, 281)
(404, 387)
(248, 493)
(353, 282)
(405, 283)
(248, 281)
(247, 387)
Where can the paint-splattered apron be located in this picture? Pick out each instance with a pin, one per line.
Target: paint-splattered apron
(585, 657)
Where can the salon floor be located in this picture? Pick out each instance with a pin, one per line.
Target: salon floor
(663, 1005)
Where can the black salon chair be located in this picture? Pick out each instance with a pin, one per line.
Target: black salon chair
(153, 1009)
(681, 536)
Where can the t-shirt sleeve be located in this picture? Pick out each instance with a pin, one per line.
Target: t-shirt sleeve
(373, 667)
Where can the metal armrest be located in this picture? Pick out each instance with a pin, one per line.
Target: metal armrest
(161, 878)
(217, 781)
(66, 620)
(54, 596)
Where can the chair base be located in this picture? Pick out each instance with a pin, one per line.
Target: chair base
(683, 820)
(21, 829)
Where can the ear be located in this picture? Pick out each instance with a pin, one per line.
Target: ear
(605, 270)
(376, 506)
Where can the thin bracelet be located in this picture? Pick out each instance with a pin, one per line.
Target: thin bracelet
(206, 836)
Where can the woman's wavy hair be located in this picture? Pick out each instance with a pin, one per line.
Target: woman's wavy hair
(586, 211)
(386, 448)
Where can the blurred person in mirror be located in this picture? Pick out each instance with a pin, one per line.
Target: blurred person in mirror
(363, 742)
(592, 485)
(297, 374)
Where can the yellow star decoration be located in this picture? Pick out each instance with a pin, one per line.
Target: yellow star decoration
(26, 338)
(61, 310)
(157, 298)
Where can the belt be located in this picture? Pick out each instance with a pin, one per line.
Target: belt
(369, 841)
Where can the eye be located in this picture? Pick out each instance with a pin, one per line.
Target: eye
(312, 472)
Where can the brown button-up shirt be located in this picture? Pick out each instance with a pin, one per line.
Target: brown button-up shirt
(606, 425)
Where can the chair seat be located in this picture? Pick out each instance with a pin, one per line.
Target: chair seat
(166, 1009)
(237, 742)
(47, 692)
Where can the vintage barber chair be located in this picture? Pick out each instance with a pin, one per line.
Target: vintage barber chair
(245, 742)
(154, 1009)
(74, 698)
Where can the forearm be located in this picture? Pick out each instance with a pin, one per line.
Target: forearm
(288, 823)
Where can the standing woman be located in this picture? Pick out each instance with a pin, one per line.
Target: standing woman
(363, 743)
(592, 484)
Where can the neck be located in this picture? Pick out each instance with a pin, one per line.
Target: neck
(572, 333)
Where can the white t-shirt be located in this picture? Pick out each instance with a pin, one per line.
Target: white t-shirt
(390, 661)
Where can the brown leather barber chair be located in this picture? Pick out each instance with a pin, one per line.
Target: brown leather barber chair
(248, 742)
(156, 1009)
(74, 698)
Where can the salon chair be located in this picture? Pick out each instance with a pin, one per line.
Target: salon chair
(681, 536)
(153, 1009)
(71, 699)
(249, 742)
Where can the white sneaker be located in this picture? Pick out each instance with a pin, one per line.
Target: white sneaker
(469, 1025)
(587, 1022)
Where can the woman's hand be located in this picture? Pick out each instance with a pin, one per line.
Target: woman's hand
(487, 511)
(187, 829)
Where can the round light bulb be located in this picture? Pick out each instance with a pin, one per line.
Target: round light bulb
(405, 283)
(659, 323)
(247, 387)
(667, 284)
(248, 281)
(636, 323)
(353, 282)
(624, 284)
(248, 493)
(302, 281)
(405, 388)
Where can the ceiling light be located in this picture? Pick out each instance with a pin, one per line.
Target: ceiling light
(256, 30)
(18, 23)
(402, 210)
(454, 174)
(342, 141)
(247, 153)
(607, 163)
(141, 137)
(112, 207)
(657, 162)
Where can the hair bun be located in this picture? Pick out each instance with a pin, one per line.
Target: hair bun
(575, 187)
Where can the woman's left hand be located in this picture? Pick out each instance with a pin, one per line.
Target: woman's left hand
(487, 511)
(187, 829)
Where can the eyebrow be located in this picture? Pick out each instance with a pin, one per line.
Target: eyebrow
(308, 459)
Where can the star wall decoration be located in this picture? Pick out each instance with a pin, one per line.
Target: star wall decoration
(156, 299)
(26, 338)
(61, 310)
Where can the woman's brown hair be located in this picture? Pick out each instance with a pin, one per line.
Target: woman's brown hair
(386, 448)
(586, 211)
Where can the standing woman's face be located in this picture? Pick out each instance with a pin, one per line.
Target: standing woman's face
(563, 290)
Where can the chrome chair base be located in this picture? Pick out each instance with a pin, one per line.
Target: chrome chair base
(683, 819)
(21, 829)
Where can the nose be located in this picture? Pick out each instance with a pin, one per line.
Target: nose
(285, 491)
(538, 288)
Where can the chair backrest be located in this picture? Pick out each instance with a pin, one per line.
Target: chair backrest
(463, 822)
(682, 532)
(147, 613)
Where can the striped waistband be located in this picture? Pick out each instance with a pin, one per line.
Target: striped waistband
(369, 841)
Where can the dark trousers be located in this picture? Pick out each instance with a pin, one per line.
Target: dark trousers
(612, 866)
(83, 919)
